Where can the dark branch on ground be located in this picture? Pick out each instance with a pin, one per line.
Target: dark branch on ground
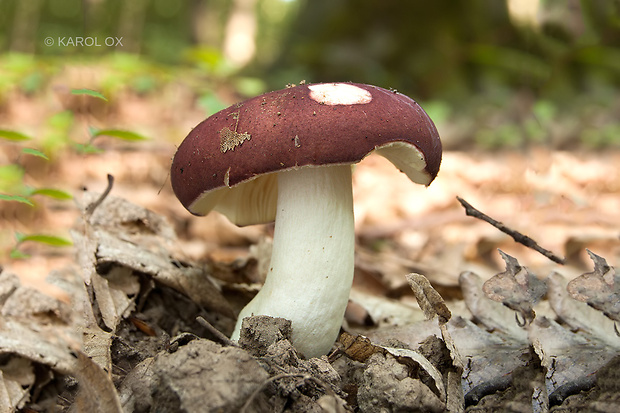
(517, 236)
(91, 208)
(217, 333)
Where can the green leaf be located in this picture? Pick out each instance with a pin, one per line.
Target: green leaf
(88, 92)
(44, 239)
(120, 134)
(12, 179)
(13, 136)
(16, 198)
(87, 149)
(35, 152)
(52, 193)
(56, 132)
(17, 254)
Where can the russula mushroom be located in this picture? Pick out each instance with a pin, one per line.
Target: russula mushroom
(287, 155)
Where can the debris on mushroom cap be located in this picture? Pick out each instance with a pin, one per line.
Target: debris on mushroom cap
(308, 125)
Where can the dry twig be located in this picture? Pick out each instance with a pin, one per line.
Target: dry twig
(91, 208)
(517, 236)
(217, 333)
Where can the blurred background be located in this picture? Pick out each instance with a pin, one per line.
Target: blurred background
(523, 92)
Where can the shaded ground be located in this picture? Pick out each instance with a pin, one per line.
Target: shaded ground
(143, 349)
(131, 337)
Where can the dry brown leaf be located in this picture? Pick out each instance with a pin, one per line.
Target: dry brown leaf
(96, 391)
(96, 345)
(428, 298)
(135, 390)
(357, 347)
(402, 354)
(28, 302)
(16, 379)
(95, 341)
(488, 359)
(576, 314)
(454, 393)
(571, 359)
(6, 405)
(115, 243)
(109, 301)
(116, 214)
(494, 315)
(599, 288)
(360, 348)
(387, 386)
(42, 344)
(22, 334)
(129, 236)
(516, 288)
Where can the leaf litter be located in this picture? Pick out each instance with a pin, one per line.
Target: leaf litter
(131, 338)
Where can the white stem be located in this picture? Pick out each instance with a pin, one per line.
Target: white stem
(311, 267)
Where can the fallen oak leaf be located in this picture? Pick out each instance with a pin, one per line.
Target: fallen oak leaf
(432, 304)
(517, 288)
(600, 289)
(576, 315)
(571, 360)
(17, 378)
(360, 348)
(489, 361)
(493, 315)
(96, 390)
(429, 300)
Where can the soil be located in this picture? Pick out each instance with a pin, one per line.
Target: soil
(117, 323)
(137, 338)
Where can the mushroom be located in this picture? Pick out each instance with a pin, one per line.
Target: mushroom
(287, 155)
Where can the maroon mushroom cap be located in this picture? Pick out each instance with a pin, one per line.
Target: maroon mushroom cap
(306, 125)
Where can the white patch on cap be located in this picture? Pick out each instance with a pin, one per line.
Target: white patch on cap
(339, 94)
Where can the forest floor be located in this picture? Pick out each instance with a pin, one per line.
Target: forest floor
(142, 328)
(127, 319)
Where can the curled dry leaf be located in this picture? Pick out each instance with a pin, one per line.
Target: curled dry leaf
(47, 340)
(599, 288)
(488, 359)
(495, 356)
(517, 288)
(133, 237)
(386, 385)
(577, 315)
(360, 348)
(96, 391)
(403, 354)
(568, 356)
(428, 298)
(116, 244)
(493, 315)
(571, 360)
(16, 380)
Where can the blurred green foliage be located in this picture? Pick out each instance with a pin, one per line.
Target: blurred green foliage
(490, 77)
